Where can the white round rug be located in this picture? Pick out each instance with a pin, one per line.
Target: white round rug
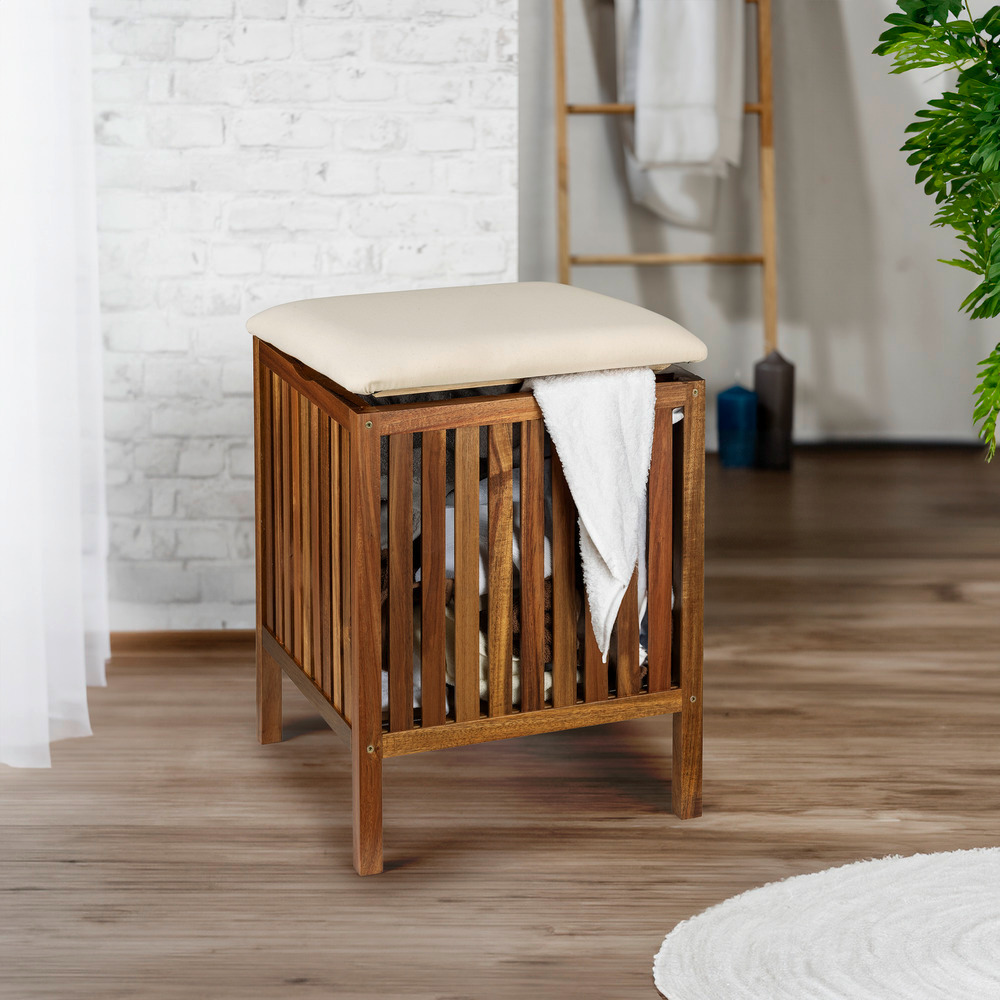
(920, 928)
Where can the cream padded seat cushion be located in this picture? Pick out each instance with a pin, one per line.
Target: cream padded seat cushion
(472, 335)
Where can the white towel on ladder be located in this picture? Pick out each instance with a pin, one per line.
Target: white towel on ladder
(681, 62)
(601, 424)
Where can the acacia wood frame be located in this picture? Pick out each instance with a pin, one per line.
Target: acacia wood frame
(319, 618)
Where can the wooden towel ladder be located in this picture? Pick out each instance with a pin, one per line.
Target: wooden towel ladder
(762, 108)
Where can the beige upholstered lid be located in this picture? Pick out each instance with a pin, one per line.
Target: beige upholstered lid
(472, 335)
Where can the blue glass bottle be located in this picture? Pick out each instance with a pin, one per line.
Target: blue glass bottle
(737, 418)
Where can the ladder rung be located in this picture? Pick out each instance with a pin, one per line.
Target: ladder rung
(753, 108)
(666, 258)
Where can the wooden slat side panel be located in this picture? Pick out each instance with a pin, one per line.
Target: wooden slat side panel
(563, 589)
(336, 550)
(466, 573)
(432, 585)
(532, 591)
(659, 558)
(324, 564)
(347, 524)
(400, 582)
(501, 568)
(627, 642)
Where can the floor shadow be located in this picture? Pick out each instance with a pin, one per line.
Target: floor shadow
(302, 726)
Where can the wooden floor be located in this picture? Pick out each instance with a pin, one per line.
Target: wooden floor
(852, 698)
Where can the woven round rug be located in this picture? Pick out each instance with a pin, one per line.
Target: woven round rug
(925, 927)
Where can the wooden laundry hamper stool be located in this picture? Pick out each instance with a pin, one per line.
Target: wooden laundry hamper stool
(350, 583)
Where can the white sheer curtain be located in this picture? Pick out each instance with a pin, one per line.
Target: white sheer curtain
(53, 594)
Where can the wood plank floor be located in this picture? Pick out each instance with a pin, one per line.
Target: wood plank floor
(852, 695)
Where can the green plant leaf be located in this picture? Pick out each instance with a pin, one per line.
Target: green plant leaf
(954, 144)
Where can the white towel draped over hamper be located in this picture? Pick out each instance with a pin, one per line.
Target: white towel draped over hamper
(681, 62)
(601, 424)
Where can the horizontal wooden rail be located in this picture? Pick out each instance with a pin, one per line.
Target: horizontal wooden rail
(666, 258)
(548, 720)
(618, 108)
(470, 411)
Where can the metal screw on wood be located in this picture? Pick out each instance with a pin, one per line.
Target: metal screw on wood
(694, 697)
(694, 392)
(368, 423)
(371, 749)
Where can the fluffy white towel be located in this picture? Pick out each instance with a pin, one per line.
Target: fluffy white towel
(601, 424)
(681, 62)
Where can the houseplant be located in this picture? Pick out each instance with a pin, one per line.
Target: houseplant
(955, 146)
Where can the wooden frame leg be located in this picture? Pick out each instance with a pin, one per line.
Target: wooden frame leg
(685, 784)
(685, 787)
(268, 697)
(366, 793)
(366, 650)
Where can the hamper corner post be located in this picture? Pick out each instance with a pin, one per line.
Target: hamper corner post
(268, 670)
(366, 644)
(689, 548)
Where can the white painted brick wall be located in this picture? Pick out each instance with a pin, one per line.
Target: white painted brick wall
(251, 152)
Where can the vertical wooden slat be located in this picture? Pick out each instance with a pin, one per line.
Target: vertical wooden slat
(659, 560)
(501, 567)
(325, 566)
(563, 589)
(348, 525)
(295, 456)
(336, 569)
(287, 584)
(432, 580)
(627, 638)
(400, 582)
(466, 573)
(532, 565)
(264, 456)
(689, 587)
(305, 535)
(315, 516)
(595, 670)
(276, 506)
(366, 650)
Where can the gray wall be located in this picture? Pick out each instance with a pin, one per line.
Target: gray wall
(868, 316)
